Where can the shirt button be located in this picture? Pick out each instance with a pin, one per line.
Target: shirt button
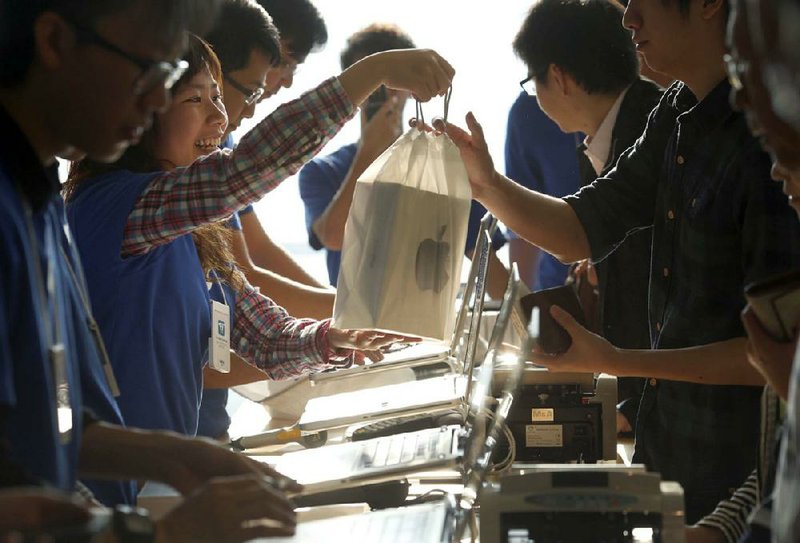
(658, 326)
(666, 272)
(653, 381)
(680, 160)
(670, 215)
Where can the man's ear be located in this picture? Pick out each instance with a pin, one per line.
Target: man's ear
(53, 38)
(563, 81)
(712, 8)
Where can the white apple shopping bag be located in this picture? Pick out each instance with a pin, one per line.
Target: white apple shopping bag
(404, 239)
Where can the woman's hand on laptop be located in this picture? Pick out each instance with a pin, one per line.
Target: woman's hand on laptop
(355, 346)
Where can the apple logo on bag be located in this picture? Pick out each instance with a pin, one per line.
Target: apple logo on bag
(431, 265)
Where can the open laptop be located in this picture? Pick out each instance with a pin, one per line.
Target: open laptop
(431, 351)
(434, 395)
(390, 457)
(443, 521)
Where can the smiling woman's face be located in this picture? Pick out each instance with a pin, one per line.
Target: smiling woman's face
(194, 124)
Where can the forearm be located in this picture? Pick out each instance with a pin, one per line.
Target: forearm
(721, 363)
(329, 226)
(114, 452)
(264, 254)
(527, 258)
(299, 299)
(277, 343)
(496, 278)
(546, 222)
(241, 373)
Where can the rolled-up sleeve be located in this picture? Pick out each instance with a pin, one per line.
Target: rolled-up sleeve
(624, 200)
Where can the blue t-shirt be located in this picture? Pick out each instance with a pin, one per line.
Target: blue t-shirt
(153, 309)
(26, 374)
(541, 157)
(321, 179)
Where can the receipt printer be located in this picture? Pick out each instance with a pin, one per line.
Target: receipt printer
(579, 503)
(564, 417)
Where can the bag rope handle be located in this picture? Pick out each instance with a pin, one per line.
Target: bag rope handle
(420, 117)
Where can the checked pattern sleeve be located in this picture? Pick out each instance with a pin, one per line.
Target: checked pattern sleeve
(265, 335)
(216, 185)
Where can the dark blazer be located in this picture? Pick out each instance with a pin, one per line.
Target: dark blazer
(623, 276)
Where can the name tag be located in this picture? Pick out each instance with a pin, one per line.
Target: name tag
(219, 344)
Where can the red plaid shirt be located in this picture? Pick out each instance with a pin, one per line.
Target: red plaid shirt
(219, 184)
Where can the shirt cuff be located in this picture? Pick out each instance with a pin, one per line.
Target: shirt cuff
(335, 358)
(332, 93)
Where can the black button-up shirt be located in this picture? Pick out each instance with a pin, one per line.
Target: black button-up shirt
(719, 222)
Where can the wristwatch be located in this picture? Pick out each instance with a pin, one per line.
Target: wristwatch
(133, 525)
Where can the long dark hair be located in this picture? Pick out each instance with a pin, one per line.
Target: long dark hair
(212, 240)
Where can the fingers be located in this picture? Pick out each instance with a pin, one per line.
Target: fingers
(419, 125)
(476, 129)
(374, 356)
(254, 504)
(565, 319)
(439, 76)
(753, 326)
(280, 480)
(359, 358)
(427, 74)
(460, 137)
(541, 358)
(261, 529)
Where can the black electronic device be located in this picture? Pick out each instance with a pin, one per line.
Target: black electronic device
(377, 496)
(556, 423)
(375, 101)
(553, 339)
(564, 418)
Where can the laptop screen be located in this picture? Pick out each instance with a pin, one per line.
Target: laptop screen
(478, 394)
(478, 460)
(476, 280)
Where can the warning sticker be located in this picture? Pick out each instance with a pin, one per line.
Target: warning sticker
(544, 435)
(542, 414)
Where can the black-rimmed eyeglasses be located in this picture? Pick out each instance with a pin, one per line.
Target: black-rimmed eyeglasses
(528, 85)
(251, 96)
(154, 73)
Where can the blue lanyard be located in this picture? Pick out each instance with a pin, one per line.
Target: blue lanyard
(51, 322)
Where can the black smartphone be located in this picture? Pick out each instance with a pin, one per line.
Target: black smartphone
(375, 101)
(553, 339)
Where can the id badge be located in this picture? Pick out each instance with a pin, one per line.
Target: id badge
(219, 344)
(63, 406)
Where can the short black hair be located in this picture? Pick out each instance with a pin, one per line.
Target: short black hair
(300, 25)
(684, 6)
(241, 27)
(374, 38)
(585, 38)
(169, 20)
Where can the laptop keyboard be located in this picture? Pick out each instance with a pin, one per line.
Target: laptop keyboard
(405, 525)
(406, 448)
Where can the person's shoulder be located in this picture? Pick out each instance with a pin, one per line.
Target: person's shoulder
(111, 185)
(332, 163)
(11, 214)
(525, 110)
(641, 98)
(646, 92)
